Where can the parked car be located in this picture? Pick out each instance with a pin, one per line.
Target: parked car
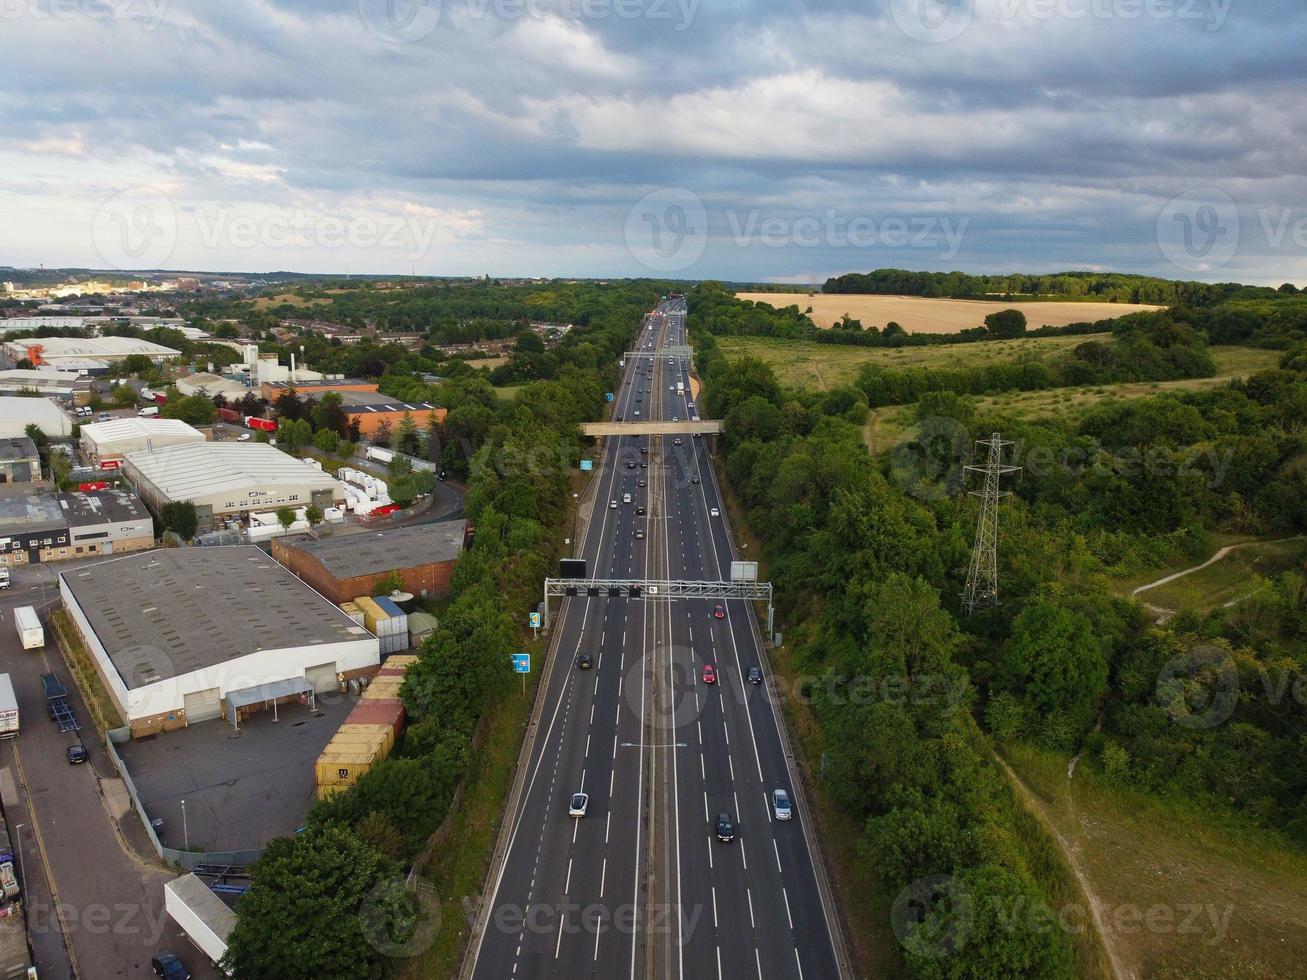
(169, 967)
(77, 754)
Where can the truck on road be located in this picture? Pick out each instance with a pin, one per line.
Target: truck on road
(8, 708)
(30, 631)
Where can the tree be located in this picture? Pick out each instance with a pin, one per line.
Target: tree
(294, 434)
(406, 436)
(327, 441)
(352, 431)
(314, 910)
(193, 410)
(1006, 323)
(285, 517)
(329, 414)
(391, 583)
(313, 514)
(179, 517)
(381, 434)
(434, 446)
(36, 434)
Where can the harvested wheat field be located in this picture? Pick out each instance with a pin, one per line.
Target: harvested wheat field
(920, 314)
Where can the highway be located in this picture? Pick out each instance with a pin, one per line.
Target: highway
(640, 887)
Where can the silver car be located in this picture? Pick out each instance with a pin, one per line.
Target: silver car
(780, 804)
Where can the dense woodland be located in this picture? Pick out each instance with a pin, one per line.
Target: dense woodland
(1111, 287)
(869, 555)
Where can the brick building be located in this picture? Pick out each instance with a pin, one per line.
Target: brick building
(346, 566)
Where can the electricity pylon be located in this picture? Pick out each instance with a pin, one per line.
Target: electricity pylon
(982, 577)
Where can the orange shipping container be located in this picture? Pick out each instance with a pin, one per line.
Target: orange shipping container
(377, 745)
(375, 729)
(379, 711)
(342, 768)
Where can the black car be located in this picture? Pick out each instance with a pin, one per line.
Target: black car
(725, 827)
(169, 967)
(695, 478)
(77, 754)
(640, 510)
(585, 661)
(755, 674)
(630, 464)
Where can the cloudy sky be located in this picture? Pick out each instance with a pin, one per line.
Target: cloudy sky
(783, 140)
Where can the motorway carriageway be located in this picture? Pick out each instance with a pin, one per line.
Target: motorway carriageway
(641, 887)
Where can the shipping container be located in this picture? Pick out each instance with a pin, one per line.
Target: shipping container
(352, 610)
(253, 422)
(373, 615)
(383, 689)
(420, 626)
(345, 742)
(229, 415)
(88, 487)
(342, 769)
(405, 660)
(379, 711)
(393, 643)
(387, 733)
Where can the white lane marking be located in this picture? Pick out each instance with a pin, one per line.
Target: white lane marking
(603, 877)
(786, 896)
(749, 894)
(777, 849)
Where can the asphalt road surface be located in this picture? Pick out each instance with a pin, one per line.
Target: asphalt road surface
(641, 886)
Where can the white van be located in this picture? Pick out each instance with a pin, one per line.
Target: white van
(626, 498)
(149, 411)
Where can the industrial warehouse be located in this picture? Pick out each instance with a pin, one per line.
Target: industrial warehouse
(190, 635)
(92, 356)
(341, 568)
(106, 443)
(45, 527)
(229, 478)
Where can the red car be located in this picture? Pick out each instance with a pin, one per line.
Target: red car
(709, 674)
(719, 611)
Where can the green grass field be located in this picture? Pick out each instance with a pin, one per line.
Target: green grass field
(804, 364)
(1183, 893)
(1226, 581)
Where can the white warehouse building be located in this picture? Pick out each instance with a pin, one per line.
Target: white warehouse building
(103, 442)
(185, 635)
(229, 479)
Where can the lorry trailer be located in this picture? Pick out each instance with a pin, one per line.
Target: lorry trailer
(30, 631)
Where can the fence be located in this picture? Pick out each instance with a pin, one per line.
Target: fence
(187, 860)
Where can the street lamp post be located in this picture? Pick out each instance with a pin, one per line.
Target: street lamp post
(18, 837)
(186, 837)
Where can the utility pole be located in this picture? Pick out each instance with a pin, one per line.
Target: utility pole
(982, 576)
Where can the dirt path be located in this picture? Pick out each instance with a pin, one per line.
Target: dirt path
(1163, 614)
(1096, 906)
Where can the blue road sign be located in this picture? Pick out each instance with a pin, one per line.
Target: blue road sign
(521, 663)
(535, 620)
(608, 396)
(587, 465)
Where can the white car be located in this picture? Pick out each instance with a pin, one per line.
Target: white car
(612, 505)
(780, 804)
(626, 498)
(714, 512)
(579, 804)
(243, 437)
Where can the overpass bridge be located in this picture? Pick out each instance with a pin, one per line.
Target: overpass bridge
(652, 428)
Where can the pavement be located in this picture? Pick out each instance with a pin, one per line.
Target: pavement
(641, 887)
(240, 788)
(94, 891)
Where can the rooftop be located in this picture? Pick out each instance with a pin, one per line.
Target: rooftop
(351, 555)
(376, 404)
(17, 412)
(202, 468)
(324, 383)
(96, 347)
(19, 448)
(27, 511)
(133, 427)
(161, 614)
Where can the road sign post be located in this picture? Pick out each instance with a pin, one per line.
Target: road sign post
(522, 665)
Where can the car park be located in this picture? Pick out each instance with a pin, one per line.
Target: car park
(780, 804)
(754, 675)
(709, 674)
(725, 827)
(578, 805)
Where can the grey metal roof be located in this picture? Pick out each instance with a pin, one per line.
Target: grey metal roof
(374, 552)
(161, 614)
(21, 448)
(186, 471)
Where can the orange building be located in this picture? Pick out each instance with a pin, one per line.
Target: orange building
(370, 417)
(272, 390)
